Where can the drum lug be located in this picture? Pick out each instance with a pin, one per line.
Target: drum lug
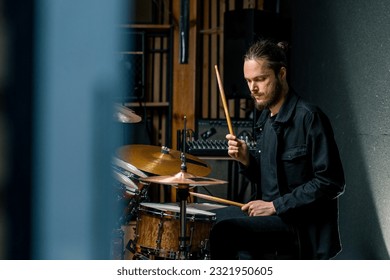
(160, 233)
(138, 256)
(191, 234)
(131, 246)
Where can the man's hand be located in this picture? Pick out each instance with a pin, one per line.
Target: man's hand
(259, 208)
(238, 149)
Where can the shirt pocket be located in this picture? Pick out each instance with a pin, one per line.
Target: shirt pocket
(294, 153)
(296, 165)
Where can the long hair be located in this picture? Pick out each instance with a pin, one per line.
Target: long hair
(273, 53)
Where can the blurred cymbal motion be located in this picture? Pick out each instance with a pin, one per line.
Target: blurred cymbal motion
(161, 160)
(183, 178)
(128, 167)
(130, 185)
(125, 115)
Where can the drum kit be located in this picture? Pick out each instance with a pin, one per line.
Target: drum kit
(174, 231)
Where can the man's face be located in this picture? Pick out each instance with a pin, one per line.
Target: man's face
(265, 87)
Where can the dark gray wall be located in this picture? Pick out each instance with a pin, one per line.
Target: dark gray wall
(341, 61)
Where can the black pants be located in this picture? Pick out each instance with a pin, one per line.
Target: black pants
(235, 235)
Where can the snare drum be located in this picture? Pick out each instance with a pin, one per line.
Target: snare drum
(158, 230)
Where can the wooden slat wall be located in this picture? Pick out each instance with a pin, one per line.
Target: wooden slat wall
(155, 106)
(157, 86)
(184, 75)
(211, 32)
(196, 96)
(212, 51)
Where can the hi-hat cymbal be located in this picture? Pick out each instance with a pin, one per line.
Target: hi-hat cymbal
(183, 179)
(125, 115)
(161, 160)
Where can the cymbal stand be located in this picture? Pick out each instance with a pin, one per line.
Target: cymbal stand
(183, 193)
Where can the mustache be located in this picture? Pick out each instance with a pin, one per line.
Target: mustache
(259, 93)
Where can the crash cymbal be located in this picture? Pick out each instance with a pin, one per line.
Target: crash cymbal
(125, 115)
(183, 179)
(161, 160)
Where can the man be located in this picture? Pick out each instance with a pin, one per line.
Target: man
(296, 168)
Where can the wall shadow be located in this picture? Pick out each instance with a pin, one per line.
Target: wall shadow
(336, 63)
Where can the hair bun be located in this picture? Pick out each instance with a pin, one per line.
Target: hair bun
(283, 45)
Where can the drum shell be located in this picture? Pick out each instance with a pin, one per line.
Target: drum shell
(158, 231)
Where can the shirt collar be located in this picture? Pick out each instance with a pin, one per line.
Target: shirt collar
(285, 111)
(287, 108)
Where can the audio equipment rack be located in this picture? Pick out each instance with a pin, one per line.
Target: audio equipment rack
(210, 138)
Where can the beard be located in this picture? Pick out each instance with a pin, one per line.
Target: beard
(274, 97)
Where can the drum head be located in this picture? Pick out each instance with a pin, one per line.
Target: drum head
(206, 206)
(170, 207)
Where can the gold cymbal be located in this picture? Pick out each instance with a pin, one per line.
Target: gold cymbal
(125, 115)
(161, 160)
(183, 179)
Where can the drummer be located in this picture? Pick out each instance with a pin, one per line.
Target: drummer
(297, 169)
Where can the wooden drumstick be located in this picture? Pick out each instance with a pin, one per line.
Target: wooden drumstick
(216, 199)
(222, 92)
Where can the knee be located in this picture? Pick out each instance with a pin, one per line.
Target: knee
(220, 230)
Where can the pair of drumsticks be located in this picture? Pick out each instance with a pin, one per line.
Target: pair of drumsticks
(230, 127)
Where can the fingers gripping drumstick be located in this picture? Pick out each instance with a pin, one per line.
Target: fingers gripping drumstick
(222, 92)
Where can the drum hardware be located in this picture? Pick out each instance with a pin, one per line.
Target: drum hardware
(138, 256)
(204, 250)
(131, 195)
(132, 207)
(130, 192)
(164, 162)
(183, 181)
(131, 246)
(159, 235)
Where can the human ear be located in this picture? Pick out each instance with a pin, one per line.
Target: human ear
(282, 73)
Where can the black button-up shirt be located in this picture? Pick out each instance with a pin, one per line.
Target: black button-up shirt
(298, 168)
(268, 187)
